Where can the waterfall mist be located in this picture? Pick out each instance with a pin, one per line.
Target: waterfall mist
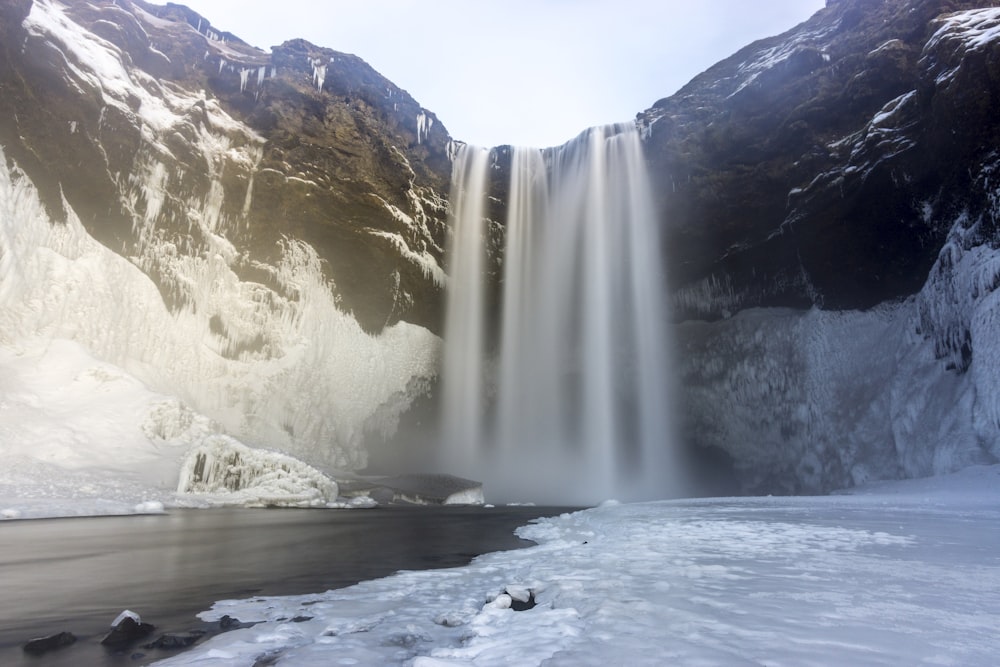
(568, 400)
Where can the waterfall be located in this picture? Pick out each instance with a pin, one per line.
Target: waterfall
(462, 373)
(572, 403)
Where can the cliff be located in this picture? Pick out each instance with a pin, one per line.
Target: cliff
(830, 200)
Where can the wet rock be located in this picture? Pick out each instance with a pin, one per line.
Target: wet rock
(227, 623)
(173, 642)
(521, 599)
(127, 629)
(42, 645)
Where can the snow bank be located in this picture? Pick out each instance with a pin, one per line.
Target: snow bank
(75, 435)
(861, 580)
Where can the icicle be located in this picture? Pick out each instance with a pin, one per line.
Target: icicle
(319, 75)
(261, 73)
(222, 63)
(244, 75)
(423, 126)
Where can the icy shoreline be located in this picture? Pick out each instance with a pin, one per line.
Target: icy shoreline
(898, 574)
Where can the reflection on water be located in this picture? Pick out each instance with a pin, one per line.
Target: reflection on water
(77, 574)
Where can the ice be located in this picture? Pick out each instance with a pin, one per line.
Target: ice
(230, 473)
(319, 73)
(426, 262)
(126, 614)
(424, 125)
(905, 573)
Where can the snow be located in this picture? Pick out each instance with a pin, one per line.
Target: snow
(766, 59)
(891, 108)
(426, 262)
(973, 29)
(905, 573)
(128, 613)
(959, 33)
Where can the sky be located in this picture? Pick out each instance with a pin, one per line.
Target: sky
(523, 72)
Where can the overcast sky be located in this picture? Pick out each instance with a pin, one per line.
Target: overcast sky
(527, 72)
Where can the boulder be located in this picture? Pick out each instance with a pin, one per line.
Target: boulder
(126, 629)
(42, 645)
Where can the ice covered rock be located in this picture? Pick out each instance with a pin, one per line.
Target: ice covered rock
(126, 629)
(232, 473)
(419, 489)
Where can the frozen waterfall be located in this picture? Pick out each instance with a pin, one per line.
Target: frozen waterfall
(568, 400)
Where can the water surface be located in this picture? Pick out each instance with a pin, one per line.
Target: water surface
(77, 574)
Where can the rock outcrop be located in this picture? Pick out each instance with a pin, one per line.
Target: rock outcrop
(823, 167)
(133, 129)
(831, 204)
(260, 234)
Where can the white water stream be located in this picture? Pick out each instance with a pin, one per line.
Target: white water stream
(574, 405)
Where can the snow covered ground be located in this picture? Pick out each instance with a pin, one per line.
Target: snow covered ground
(897, 574)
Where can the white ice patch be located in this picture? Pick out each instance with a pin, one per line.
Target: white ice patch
(972, 30)
(228, 472)
(319, 73)
(424, 125)
(426, 262)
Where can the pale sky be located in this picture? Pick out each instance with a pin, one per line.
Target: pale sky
(524, 72)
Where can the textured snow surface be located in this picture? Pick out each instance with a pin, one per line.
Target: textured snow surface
(902, 574)
(82, 437)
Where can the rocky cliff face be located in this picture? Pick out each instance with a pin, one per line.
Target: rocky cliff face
(160, 131)
(820, 167)
(267, 203)
(847, 167)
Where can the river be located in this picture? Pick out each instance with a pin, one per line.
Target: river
(78, 574)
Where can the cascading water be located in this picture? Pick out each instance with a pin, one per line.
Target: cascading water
(581, 409)
(465, 323)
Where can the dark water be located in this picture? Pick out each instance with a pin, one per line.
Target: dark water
(77, 574)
